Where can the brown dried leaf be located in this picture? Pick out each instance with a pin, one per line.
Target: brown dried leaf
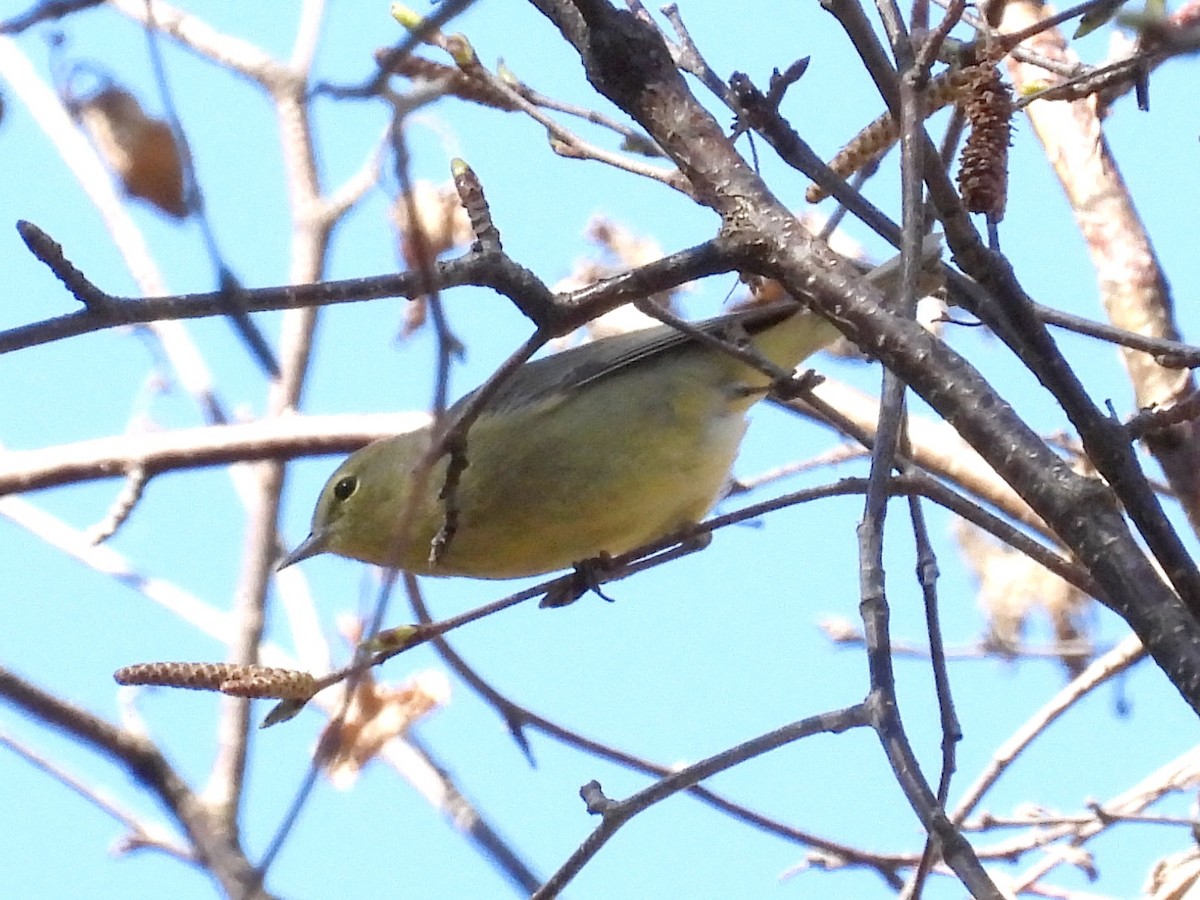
(436, 210)
(140, 150)
(621, 250)
(628, 249)
(1012, 587)
(377, 713)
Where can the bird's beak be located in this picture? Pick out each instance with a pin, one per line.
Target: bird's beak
(310, 546)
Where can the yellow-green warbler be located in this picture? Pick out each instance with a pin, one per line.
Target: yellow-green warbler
(596, 450)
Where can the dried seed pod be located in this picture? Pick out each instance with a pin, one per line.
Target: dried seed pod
(983, 164)
(228, 678)
(878, 137)
(196, 676)
(262, 682)
(140, 149)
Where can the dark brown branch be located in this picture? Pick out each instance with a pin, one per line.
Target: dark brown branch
(1008, 310)
(556, 315)
(627, 62)
(1168, 353)
(216, 848)
(617, 813)
(518, 718)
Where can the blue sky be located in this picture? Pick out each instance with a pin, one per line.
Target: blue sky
(692, 658)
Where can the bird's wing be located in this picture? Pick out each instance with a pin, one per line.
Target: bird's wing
(558, 375)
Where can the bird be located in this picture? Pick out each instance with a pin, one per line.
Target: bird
(588, 453)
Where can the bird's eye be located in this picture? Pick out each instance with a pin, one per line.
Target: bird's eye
(345, 487)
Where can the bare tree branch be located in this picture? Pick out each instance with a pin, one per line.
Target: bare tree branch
(216, 847)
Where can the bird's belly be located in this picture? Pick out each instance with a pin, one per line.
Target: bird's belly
(600, 490)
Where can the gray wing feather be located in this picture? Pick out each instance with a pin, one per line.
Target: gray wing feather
(558, 375)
